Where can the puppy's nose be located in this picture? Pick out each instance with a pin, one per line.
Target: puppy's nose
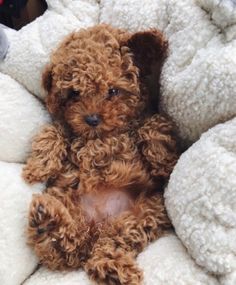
(93, 120)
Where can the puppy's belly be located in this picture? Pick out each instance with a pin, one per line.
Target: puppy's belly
(101, 206)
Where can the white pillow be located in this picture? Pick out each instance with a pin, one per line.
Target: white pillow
(164, 262)
(201, 199)
(229, 279)
(46, 277)
(134, 15)
(223, 13)
(17, 261)
(21, 116)
(31, 46)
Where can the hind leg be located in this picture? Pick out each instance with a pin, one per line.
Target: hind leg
(110, 265)
(53, 233)
(113, 257)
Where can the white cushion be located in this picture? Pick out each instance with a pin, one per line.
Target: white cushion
(201, 199)
(229, 279)
(198, 91)
(223, 13)
(21, 116)
(31, 46)
(17, 260)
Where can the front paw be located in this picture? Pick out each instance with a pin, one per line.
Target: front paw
(36, 171)
(29, 176)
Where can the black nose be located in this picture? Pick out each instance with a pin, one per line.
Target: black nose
(93, 120)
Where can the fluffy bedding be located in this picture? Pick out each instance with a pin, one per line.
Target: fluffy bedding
(197, 91)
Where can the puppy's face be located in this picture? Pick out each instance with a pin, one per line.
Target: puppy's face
(93, 81)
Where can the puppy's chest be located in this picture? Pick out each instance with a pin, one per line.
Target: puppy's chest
(100, 153)
(111, 174)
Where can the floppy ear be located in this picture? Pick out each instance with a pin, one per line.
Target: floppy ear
(149, 49)
(53, 97)
(47, 78)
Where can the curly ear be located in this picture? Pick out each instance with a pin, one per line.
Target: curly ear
(149, 49)
(53, 96)
(47, 78)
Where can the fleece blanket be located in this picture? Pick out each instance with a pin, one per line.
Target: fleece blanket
(197, 91)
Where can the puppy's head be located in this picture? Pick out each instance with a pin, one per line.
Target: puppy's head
(94, 79)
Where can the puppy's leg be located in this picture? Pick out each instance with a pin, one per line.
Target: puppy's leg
(146, 222)
(113, 257)
(110, 265)
(152, 221)
(48, 153)
(157, 143)
(54, 234)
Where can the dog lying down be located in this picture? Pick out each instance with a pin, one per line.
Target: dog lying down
(105, 157)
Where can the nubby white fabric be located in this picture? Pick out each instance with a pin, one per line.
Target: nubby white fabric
(4, 43)
(134, 15)
(198, 80)
(21, 116)
(17, 260)
(223, 13)
(201, 199)
(31, 46)
(45, 277)
(198, 90)
(166, 262)
(229, 279)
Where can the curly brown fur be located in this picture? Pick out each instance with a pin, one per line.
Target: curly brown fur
(105, 159)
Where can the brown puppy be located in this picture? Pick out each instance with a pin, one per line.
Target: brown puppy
(105, 157)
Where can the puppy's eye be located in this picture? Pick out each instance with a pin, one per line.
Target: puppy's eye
(112, 92)
(72, 94)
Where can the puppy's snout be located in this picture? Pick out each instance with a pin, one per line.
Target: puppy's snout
(93, 120)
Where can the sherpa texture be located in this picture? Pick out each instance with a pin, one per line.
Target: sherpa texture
(17, 261)
(198, 91)
(222, 13)
(170, 265)
(198, 78)
(201, 199)
(4, 44)
(31, 46)
(21, 115)
(229, 279)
